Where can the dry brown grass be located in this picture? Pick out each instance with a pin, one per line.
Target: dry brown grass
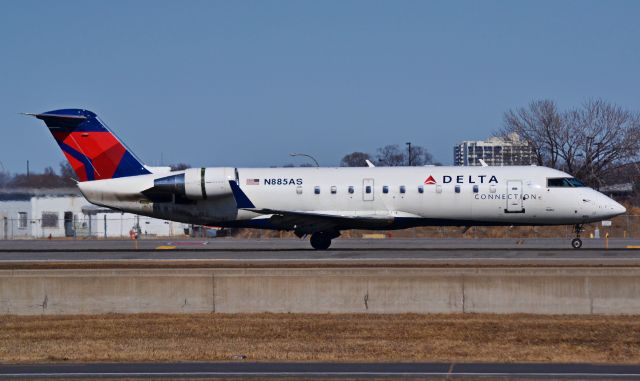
(297, 337)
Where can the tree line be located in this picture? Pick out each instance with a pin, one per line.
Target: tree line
(391, 155)
(49, 178)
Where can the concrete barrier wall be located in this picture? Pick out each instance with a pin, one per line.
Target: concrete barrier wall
(361, 290)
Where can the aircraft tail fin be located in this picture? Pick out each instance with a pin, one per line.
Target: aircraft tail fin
(93, 151)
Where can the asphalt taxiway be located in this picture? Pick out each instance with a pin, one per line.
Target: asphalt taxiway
(317, 370)
(362, 251)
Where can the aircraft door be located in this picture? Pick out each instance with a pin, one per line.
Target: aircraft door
(367, 189)
(68, 224)
(514, 197)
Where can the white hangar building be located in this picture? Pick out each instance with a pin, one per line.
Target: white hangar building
(64, 212)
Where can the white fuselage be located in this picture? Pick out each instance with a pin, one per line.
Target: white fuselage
(376, 197)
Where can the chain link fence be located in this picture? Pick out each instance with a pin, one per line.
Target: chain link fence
(101, 227)
(624, 226)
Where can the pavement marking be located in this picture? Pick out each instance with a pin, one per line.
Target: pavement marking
(374, 236)
(165, 247)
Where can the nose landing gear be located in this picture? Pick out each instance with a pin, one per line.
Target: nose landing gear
(576, 243)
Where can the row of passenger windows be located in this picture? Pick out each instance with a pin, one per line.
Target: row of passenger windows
(385, 189)
(568, 182)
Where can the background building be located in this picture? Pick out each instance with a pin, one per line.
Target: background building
(64, 212)
(495, 151)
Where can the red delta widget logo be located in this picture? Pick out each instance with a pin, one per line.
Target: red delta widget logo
(461, 179)
(430, 180)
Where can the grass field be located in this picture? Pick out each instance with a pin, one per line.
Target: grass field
(291, 337)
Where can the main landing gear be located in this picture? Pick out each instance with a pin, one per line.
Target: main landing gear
(322, 240)
(576, 243)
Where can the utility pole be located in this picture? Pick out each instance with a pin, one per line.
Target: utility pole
(409, 146)
(27, 168)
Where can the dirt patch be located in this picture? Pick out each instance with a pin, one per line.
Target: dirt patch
(298, 337)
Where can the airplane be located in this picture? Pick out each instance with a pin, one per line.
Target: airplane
(321, 202)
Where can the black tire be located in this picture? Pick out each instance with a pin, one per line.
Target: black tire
(320, 241)
(576, 243)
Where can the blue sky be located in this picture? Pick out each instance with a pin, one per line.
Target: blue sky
(243, 83)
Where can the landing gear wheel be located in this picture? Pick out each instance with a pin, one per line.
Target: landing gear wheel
(576, 243)
(320, 241)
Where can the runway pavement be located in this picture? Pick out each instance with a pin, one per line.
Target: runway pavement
(317, 370)
(426, 251)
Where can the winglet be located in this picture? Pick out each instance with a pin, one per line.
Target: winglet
(242, 201)
(369, 164)
(482, 162)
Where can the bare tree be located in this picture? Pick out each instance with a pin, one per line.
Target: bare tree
(48, 179)
(67, 173)
(179, 166)
(391, 156)
(587, 141)
(5, 177)
(420, 156)
(540, 125)
(601, 136)
(355, 159)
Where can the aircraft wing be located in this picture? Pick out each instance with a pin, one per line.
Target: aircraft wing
(311, 221)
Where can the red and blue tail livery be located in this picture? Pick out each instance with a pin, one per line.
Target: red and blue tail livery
(93, 151)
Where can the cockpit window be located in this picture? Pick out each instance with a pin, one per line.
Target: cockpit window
(564, 182)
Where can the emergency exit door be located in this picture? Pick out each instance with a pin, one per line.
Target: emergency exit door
(514, 197)
(367, 189)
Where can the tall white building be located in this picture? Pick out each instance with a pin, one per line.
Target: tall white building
(494, 151)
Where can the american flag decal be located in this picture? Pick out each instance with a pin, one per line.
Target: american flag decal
(253, 181)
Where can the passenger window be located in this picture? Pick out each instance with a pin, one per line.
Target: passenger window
(299, 189)
(316, 189)
(334, 190)
(457, 188)
(385, 189)
(403, 189)
(438, 188)
(492, 189)
(351, 189)
(420, 189)
(475, 189)
(367, 189)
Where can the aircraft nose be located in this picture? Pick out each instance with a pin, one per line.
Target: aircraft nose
(617, 208)
(613, 208)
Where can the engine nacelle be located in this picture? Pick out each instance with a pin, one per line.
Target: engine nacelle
(202, 183)
(195, 183)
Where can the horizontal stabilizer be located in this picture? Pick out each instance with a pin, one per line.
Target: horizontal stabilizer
(60, 121)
